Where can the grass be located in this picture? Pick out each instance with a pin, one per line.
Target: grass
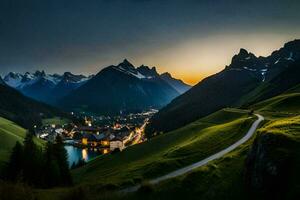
(55, 120)
(162, 154)
(285, 103)
(220, 179)
(224, 178)
(10, 133)
(167, 152)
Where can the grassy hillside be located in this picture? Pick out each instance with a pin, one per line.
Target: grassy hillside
(55, 120)
(236, 175)
(10, 133)
(246, 172)
(162, 154)
(285, 103)
(230, 177)
(167, 152)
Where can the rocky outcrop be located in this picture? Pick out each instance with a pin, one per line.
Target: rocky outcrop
(268, 166)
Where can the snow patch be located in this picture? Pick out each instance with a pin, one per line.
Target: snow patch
(263, 76)
(132, 73)
(250, 69)
(290, 57)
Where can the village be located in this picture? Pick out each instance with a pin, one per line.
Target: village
(100, 134)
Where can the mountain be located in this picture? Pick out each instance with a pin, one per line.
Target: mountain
(121, 88)
(68, 83)
(23, 110)
(177, 84)
(44, 87)
(248, 79)
(1, 81)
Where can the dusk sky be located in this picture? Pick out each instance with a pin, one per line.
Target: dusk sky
(190, 39)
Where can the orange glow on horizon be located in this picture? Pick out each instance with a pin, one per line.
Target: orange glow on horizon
(196, 58)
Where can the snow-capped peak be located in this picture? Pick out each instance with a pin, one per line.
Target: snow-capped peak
(19, 81)
(142, 72)
(13, 79)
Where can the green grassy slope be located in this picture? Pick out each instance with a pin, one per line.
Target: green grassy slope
(167, 152)
(279, 145)
(220, 179)
(285, 103)
(10, 133)
(55, 120)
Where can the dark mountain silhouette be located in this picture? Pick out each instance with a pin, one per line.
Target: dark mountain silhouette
(177, 84)
(23, 110)
(121, 88)
(246, 80)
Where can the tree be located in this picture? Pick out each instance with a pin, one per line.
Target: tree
(61, 156)
(15, 165)
(52, 175)
(33, 161)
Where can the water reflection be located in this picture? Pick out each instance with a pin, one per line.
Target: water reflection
(85, 154)
(75, 154)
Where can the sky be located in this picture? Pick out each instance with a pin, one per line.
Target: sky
(191, 39)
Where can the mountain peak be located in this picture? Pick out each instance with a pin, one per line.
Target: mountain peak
(147, 71)
(166, 74)
(242, 59)
(68, 74)
(40, 73)
(293, 45)
(243, 52)
(126, 63)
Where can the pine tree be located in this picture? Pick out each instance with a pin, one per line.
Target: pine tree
(15, 165)
(32, 161)
(52, 175)
(62, 160)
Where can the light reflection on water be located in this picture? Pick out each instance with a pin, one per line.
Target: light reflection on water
(75, 154)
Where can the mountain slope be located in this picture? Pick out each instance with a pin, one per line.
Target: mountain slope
(266, 167)
(23, 110)
(10, 133)
(166, 153)
(121, 88)
(246, 80)
(1, 81)
(177, 84)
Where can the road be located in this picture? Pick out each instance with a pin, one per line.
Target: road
(139, 133)
(191, 167)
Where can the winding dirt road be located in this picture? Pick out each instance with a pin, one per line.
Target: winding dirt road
(191, 167)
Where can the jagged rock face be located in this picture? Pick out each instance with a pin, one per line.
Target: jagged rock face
(268, 165)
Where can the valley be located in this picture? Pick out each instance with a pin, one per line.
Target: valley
(130, 133)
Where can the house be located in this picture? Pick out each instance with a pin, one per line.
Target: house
(116, 144)
(94, 140)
